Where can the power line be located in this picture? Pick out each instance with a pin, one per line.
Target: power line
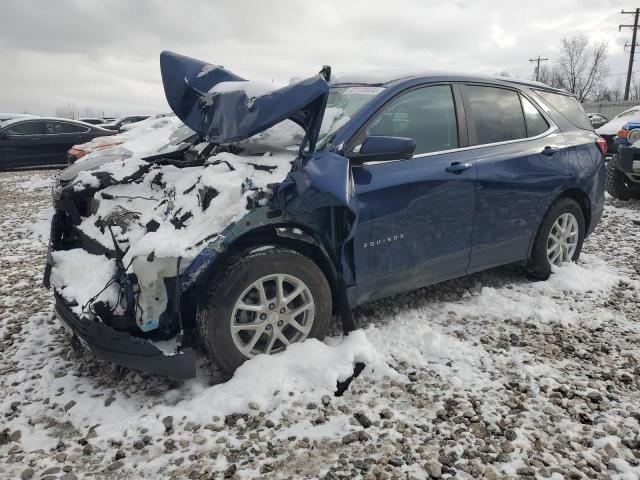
(610, 17)
(537, 61)
(633, 46)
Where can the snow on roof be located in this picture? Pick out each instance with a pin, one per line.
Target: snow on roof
(35, 117)
(616, 123)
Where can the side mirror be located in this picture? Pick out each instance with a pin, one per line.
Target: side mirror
(380, 149)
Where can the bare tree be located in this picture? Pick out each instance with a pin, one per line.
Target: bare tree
(582, 68)
(545, 75)
(70, 110)
(91, 112)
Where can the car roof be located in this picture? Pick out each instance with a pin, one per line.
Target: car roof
(389, 78)
(68, 120)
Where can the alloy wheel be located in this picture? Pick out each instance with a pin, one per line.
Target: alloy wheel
(563, 239)
(271, 313)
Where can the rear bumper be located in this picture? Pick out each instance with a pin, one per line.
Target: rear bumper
(124, 349)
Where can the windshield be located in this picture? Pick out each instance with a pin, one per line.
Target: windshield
(343, 103)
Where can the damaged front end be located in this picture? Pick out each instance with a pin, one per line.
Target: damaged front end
(130, 230)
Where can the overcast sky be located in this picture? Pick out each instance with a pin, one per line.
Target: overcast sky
(104, 54)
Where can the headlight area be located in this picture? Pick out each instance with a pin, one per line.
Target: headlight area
(634, 135)
(156, 289)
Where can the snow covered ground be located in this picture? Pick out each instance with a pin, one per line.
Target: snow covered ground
(488, 376)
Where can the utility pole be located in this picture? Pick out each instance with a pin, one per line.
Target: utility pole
(633, 47)
(538, 60)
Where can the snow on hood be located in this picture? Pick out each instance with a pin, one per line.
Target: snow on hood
(144, 137)
(211, 100)
(614, 125)
(159, 213)
(150, 137)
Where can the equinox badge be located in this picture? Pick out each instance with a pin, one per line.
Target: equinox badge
(382, 241)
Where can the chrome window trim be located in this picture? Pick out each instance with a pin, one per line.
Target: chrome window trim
(549, 131)
(87, 129)
(552, 129)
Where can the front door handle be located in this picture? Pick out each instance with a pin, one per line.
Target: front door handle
(458, 167)
(548, 151)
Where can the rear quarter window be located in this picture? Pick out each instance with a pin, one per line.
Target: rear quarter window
(568, 107)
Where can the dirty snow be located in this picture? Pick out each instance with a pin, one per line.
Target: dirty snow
(490, 376)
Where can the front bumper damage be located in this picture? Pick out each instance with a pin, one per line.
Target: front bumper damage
(124, 349)
(134, 237)
(104, 341)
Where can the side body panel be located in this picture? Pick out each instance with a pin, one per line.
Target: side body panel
(516, 183)
(415, 223)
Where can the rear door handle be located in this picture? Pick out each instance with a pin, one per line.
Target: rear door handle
(548, 151)
(458, 167)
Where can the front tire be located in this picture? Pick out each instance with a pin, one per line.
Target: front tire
(559, 238)
(262, 302)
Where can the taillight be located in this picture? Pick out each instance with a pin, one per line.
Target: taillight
(602, 145)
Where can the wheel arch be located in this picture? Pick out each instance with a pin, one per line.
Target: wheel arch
(577, 195)
(296, 237)
(582, 199)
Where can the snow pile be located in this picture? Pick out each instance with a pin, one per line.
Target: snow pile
(534, 301)
(78, 276)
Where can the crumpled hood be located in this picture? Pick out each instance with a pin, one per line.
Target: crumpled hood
(232, 113)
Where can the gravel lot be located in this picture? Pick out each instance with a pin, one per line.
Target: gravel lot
(490, 376)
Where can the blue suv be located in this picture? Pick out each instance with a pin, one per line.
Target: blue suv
(399, 181)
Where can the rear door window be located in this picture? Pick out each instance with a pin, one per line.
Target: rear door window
(55, 127)
(535, 122)
(25, 128)
(496, 114)
(568, 106)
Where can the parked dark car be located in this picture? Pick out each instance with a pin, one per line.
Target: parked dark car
(121, 122)
(40, 142)
(597, 119)
(408, 181)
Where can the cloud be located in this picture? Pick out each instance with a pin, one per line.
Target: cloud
(104, 54)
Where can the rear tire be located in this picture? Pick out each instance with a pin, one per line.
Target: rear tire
(551, 241)
(253, 296)
(615, 182)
